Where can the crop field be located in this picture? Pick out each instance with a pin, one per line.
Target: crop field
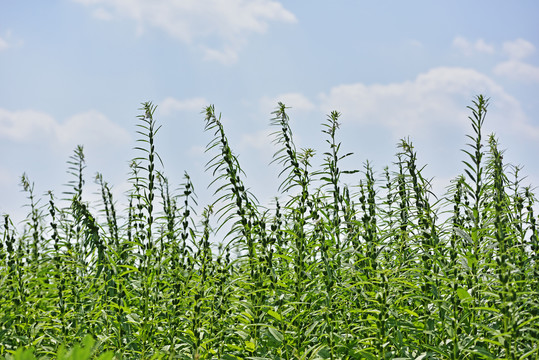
(379, 269)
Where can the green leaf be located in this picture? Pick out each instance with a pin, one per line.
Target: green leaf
(472, 260)
(24, 354)
(367, 355)
(276, 334)
(463, 234)
(411, 312)
(275, 314)
(250, 346)
(463, 294)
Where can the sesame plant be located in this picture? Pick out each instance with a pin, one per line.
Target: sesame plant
(379, 268)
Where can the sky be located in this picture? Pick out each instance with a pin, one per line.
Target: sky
(75, 72)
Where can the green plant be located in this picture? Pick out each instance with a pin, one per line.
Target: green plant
(377, 269)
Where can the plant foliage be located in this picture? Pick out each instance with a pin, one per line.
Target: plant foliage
(377, 270)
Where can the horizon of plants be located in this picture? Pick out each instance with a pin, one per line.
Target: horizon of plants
(381, 269)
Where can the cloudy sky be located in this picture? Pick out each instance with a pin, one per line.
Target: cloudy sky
(75, 72)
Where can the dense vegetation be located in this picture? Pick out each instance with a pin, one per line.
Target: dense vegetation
(379, 270)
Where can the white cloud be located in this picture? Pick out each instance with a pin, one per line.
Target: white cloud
(481, 46)
(103, 14)
(5, 177)
(435, 99)
(227, 56)
(260, 140)
(197, 151)
(170, 105)
(518, 49)
(518, 70)
(515, 68)
(415, 43)
(3, 44)
(198, 20)
(26, 125)
(468, 48)
(296, 101)
(89, 128)
(8, 41)
(37, 143)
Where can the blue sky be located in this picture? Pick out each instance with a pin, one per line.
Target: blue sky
(75, 72)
